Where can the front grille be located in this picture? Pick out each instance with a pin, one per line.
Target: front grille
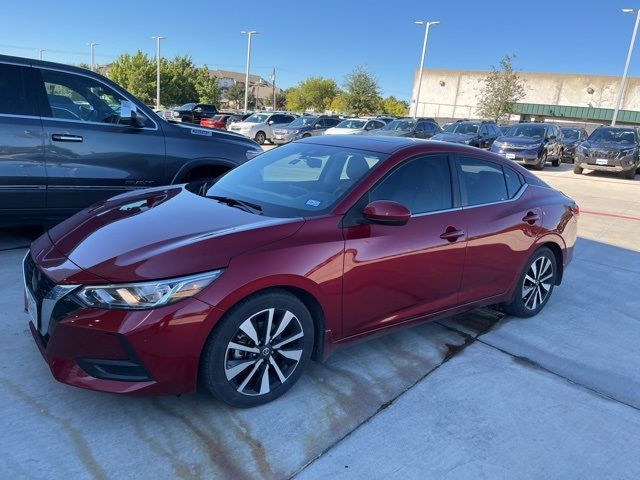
(516, 148)
(37, 282)
(608, 154)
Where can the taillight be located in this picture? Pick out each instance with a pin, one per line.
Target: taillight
(575, 209)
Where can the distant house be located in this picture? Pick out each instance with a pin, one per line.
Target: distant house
(260, 87)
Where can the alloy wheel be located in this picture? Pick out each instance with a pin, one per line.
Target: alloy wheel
(537, 283)
(264, 351)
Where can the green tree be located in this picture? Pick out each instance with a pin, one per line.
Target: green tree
(315, 93)
(339, 103)
(177, 80)
(281, 100)
(502, 88)
(235, 96)
(363, 93)
(295, 101)
(207, 86)
(393, 106)
(137, 74)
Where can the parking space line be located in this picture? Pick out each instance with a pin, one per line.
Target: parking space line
(608, 214)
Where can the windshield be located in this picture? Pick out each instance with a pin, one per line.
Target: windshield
(613, 135)
(571, 133)
(527, 131)
(187, 106)
(463, 128)
(303, 121)
(298, 179)
(351, 124)
(257, 118)
(400, 125)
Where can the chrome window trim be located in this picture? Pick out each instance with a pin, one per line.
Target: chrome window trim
(124, 93)
(11, 115)
(517, 196)
(435, 212)
(23, 187)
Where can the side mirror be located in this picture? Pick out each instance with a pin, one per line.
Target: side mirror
(387, 212)
(270, 122)
(135, 120)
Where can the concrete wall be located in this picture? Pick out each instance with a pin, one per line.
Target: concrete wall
(454, 93)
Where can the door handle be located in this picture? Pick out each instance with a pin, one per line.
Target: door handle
(531, 218)
(452, 234)
(63, 137)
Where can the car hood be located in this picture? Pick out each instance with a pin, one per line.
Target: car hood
(452, 137)
(391, 133)
(519, 140)
(608, 145)
(162, 233)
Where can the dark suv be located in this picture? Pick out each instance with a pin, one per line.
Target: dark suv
(191, 113)
(609, 149)
(571, 138)
(70, 137)
(477, 134)
(303, 127)
(409, 127)
(531, 143)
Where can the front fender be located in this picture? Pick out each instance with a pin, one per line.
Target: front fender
(201, 162)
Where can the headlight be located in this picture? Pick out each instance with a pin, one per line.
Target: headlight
(468, 142)
(497, 144)
(295, 132)
(582, 150)
(176, 114)
(145, 295)
(628, 151)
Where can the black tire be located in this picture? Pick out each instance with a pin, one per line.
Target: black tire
(542, 162)
(577, 169)
(630, 174)
(219, 359)
(306, 135)
(558, 160)
(527, 303)
(260, 137)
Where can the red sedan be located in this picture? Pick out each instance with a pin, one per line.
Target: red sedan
(238, 283)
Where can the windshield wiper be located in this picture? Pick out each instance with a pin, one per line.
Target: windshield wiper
(234, 202)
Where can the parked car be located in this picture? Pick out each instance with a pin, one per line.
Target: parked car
(238, 283)
(504, 129)
(217, 121)
(571, 138)
(476, 134)
(531, 143)
(56, 161)
(610, 149)
(260, 126)
(191, 113)
(385, 118)
(409, 127)
(355, 126)
(303, 127)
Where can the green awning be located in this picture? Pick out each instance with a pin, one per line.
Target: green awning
(576, 113)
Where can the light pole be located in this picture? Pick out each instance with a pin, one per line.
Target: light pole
(92, 48)
(273, 86)
(623, 81)
(424, 51)
(40, 52)
(246, 77)
(157, 39)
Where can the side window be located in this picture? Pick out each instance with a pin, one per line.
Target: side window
(14, 99)
(76, 97)
(430, 128)
(422, 185)
(333, 122)
(420, 127)
(496, 130)
(513, 181)
(289, 118)
(275, 119)
(484, 131)
(482, 181)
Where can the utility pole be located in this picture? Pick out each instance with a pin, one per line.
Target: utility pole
(249, 34)
(157, 39)
(40, 52)
(273, 86)
(623, 81)
(92, 49)
(424, 51)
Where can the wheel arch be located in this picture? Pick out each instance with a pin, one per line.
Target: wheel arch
(214, 164)
(556, 248)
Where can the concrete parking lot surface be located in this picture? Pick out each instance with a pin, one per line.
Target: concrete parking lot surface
(479, 395)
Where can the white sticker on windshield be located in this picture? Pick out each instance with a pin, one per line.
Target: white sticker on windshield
(126, 107)
(313, 203)
(196, 131)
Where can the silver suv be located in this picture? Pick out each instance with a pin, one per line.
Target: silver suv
(260, 125)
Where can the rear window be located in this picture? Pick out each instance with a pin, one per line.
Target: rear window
(13, 92)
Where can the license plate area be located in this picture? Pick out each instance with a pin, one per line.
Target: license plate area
(510, 156)
(32, 309)
(602, 161)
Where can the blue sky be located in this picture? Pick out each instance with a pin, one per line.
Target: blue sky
(329, 37)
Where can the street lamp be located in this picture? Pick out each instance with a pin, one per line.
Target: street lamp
(424, 51)
(246, 78)
(92, 48)
(40, 52)
(623, 81)
(157, 39)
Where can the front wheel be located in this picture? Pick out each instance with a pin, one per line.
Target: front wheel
(558, 160)
(258, 350)
(260, 138)
(542, 162)
(534, 285)
(577, 169)
(630, 174)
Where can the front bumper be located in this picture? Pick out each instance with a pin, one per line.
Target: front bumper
(615, 165)
(143, 352)
(282, 138)
(524, 157)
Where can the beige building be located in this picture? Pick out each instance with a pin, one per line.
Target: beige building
(573, 97)
(260, 87)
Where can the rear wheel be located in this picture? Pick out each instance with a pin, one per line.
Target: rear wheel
(577, 168)
(630, 174)
(558, 160)
(258, 350)
(260, 138)
(534, 285)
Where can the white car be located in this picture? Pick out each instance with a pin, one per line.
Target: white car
(355, 126)
(259, 126)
